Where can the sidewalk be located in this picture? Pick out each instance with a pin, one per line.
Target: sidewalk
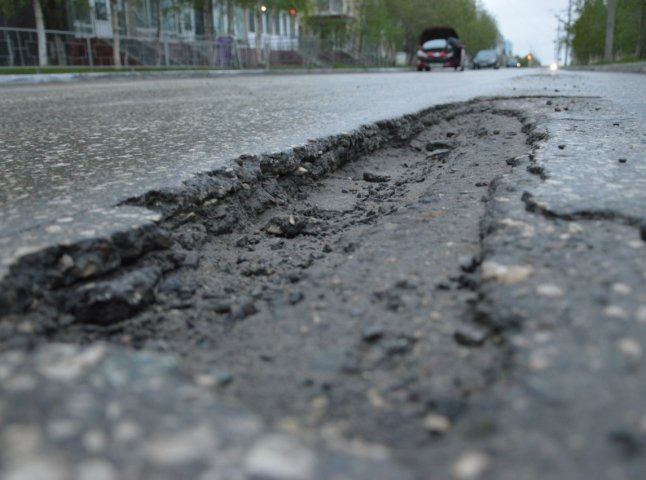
(38, 78)
(637, 67)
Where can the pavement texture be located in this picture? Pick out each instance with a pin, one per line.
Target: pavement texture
(72, 152)
(455, 293)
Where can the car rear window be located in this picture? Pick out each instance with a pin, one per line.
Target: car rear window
(486, 55)
(437, 44)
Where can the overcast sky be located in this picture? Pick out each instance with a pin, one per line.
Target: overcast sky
(530, 25)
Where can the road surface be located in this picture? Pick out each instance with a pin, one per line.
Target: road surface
(456, 292)
(71, 152)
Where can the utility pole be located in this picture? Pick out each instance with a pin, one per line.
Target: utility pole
(610, 30)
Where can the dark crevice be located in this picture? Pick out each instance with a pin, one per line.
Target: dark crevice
(531, 205)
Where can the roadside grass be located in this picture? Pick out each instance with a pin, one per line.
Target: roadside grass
(56, 70)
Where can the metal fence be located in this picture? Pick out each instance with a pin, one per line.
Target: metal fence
(19, 48)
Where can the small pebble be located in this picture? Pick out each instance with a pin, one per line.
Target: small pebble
(561, 147)
(375, 177)
(372, 334)
(630, 348)
(549, 290)
(622, 288)
(640, 315)
(470, 466)
(470, 336)
(623, 160)
(468, 263)
(437, 424)
(506, 274)
(615, 311)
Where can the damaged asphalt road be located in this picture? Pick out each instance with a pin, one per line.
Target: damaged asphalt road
(439, 296)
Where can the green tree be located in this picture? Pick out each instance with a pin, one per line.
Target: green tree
(45, 11)
(630, 31)
(594, 25)
(9, 6)
(589, 29)
(400, 22)
(611, 16)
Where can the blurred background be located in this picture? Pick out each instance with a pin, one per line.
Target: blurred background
(241, 34)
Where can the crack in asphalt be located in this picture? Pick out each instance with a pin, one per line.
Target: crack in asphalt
(322, 256)
(367, 287)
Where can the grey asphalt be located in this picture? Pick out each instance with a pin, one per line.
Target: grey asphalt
(560, 286)
(70, 152)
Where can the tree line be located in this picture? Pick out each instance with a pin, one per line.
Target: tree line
(609, 30)
(397, 24)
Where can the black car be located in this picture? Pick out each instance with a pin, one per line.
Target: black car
(486, 59)
(440, 46)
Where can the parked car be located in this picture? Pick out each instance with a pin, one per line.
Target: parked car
(440, 46)
(512, 63)
(486, 59)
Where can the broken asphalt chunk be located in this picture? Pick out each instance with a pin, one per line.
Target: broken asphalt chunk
(288, 227)
(469, 336)
(375, 177)
(111, 301)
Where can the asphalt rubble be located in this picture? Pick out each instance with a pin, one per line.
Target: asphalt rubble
(458, 293)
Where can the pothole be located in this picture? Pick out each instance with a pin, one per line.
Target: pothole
(335, 302)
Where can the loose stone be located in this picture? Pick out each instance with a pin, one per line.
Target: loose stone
(289, 227)
(372, 334)
(437, 424)
(630, 348)
(470, 336)
(375, 177)
(615, 311)
(279, 457)
(506, 274)
(432, 146)
(470, 466)
(468, 263)
(549, 290)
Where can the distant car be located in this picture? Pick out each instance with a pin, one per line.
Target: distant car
(486, 59)
(440, 46)
(512, 63)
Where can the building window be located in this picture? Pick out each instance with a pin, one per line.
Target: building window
(323, 6)
(252, 21)
(188, 22)
(101, 9)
